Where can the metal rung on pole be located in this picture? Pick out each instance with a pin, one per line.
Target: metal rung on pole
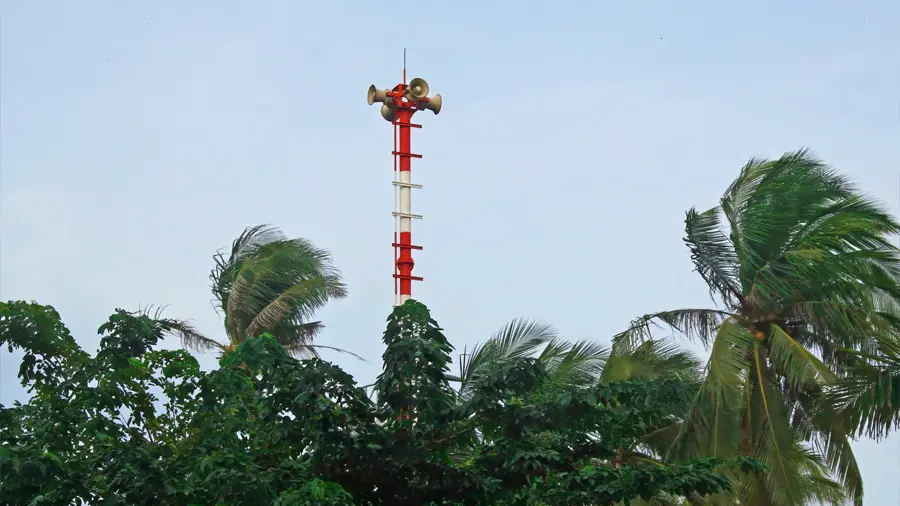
(407, 185)
(410, 155)
(407, 215)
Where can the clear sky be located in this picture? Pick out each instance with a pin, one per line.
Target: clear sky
(140, 137)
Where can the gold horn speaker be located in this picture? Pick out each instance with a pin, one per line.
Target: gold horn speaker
(388, 112)
(417, 89)
(376, 95)
(433, 104)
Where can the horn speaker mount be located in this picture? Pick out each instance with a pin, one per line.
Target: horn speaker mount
(433, 104)
(415, 97)
(376, 95)
(388, 112)
(417, 89)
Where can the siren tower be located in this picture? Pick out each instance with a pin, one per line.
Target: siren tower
(398, 106)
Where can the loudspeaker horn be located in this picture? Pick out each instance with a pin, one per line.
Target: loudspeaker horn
(376, 95)
(417, 88)
(433, 104)
(388, 112)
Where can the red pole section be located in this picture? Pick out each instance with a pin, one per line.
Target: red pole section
(405, 263)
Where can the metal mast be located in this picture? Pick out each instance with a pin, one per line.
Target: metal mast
(398, 106)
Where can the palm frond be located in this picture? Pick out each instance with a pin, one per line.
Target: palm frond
(298, 301)
(581, 363)
(519, 338)
(816, 484)
(844, 324)
(736, 198)
(825, 491)
(800, 368)
(661, 439)
(694, 324)
(556, 349)
(781, 195)
(649, 360)
(869, 394)
(774, 439)
(183, 330)
(833, 442)
(711, 424)
(306, 350)
(297, 337)
(714, 256)
(223, 274)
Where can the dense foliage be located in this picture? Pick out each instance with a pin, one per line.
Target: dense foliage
(139, 425)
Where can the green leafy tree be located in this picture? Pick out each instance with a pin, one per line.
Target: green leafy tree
(271, 284)
(800, 267)
(92, 432)
(138, 426)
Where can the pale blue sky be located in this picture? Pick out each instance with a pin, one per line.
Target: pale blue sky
(139, 137)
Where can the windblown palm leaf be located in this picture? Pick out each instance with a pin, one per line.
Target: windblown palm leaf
(271, 284)
(870, 392)
(799, 264)
(182, 330)
(520, 338)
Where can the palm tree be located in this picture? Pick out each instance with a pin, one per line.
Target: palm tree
(271, 284)
(801, 272)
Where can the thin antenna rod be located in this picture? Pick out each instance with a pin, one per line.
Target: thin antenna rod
(404, 66)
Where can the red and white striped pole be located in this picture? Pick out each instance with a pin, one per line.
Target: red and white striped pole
(399, 105)
(403, 208)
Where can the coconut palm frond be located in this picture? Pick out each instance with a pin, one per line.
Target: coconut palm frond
(713, 256)
(694, 324)
(581, 363)
(308, 350)
(519, 338)
(183, 330)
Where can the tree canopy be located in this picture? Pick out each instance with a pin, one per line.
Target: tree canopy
(139, 425)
